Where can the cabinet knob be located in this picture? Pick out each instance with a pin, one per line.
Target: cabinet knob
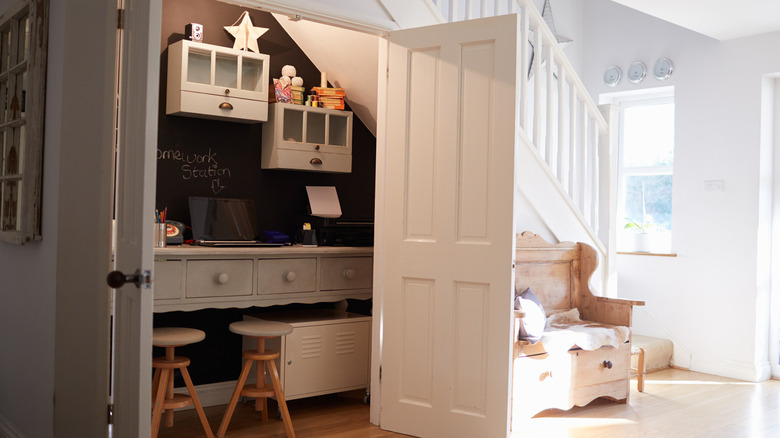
(349, 274)
(608, 364)
(545, 375)
(317, 147)
(225, 106)
(315, 161)
(289, 362)
(290, 276)
(223, 278)
(227, 91)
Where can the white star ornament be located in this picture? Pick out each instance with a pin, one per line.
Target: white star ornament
(245, 34)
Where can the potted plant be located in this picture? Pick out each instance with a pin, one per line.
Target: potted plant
(642, 236)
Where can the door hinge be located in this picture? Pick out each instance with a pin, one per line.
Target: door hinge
(110, 413)
(380, 373)
(120, 19)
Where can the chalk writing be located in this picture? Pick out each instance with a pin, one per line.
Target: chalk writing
(198, 167)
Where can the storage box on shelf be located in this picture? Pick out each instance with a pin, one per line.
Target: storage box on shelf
(217, 82)
(307, 138)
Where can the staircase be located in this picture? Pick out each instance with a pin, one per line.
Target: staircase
(564, 174)
(564, 189)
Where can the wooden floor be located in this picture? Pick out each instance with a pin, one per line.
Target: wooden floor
(675, 404)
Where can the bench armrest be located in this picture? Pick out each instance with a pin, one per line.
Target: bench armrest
(615, 311)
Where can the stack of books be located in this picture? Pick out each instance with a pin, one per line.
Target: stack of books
(297, 94)
(332, 98)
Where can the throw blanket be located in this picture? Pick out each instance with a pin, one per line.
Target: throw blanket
(566, 330)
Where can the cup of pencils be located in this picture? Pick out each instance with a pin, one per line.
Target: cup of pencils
(160, 228)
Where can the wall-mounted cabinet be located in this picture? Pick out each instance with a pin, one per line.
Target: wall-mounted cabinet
(301, 137)
(217, 82)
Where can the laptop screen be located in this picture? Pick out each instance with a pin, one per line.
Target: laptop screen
(223, 219)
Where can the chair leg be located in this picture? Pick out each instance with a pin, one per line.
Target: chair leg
(159, 400)
(196, 401)
(234, 399)
(640, 373)
(280, 398)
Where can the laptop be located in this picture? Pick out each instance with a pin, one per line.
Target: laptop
(225, 222)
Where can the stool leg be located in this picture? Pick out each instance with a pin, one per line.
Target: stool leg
(280, 398)
(261, 403)
(159, 400)
(155, 384)
(640, 379)
(169, 356)
(234, 399)
(191, 388)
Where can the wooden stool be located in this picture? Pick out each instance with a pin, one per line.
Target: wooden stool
(163, 397)
(640, 369)
(261, 330)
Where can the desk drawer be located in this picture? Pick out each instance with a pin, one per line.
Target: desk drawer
(589, 368)
(167, 280)
(219, 278)
(286, 275)
(346, 273)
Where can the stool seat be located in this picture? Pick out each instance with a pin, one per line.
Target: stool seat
(176, 336)
(260, 328)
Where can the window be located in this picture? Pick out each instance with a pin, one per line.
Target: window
(23, 38)
(645, 170)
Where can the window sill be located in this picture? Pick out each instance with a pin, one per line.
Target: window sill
(655, 254)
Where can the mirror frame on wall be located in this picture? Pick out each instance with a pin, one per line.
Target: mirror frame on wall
(23, 92)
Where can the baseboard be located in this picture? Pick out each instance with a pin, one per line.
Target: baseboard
(7, 429)
(749, 372)
(211, 394)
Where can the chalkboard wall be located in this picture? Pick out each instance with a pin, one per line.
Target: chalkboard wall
(201, 157)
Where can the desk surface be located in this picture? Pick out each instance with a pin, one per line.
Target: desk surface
(195, 277)
(261, 251)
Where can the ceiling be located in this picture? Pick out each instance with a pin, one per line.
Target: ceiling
(719, 19)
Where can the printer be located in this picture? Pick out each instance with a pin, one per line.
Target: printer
(333, 229)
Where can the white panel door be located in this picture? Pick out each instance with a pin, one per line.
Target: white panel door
(135, 186)
(448, 281)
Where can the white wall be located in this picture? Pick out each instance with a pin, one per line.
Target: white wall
(27, 292)
(707, 299)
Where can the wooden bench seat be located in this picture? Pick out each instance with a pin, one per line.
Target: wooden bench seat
(559, 275)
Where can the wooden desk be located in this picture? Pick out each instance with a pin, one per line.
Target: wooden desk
(192, 278)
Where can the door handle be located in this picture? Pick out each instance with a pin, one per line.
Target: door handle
(117, 279)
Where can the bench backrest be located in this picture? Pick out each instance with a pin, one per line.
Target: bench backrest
(558, 274)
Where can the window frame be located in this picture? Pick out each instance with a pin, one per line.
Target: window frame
(31, 120)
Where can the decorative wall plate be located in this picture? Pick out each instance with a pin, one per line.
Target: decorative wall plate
(612, 76)
(637, 72)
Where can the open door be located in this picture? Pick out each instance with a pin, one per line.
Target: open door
(137, 105)
(449, 231)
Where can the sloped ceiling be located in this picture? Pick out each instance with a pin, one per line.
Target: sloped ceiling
(349, 59)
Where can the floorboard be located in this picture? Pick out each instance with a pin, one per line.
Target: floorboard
(675, 403)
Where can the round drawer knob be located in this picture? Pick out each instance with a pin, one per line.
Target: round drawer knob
(545, 375)
(290, 276)
(289, 362)
(349, 274)
(223, 278)
(608, 364)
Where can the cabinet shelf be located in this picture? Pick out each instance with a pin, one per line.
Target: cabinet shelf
(217, 82)
(302, 137)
